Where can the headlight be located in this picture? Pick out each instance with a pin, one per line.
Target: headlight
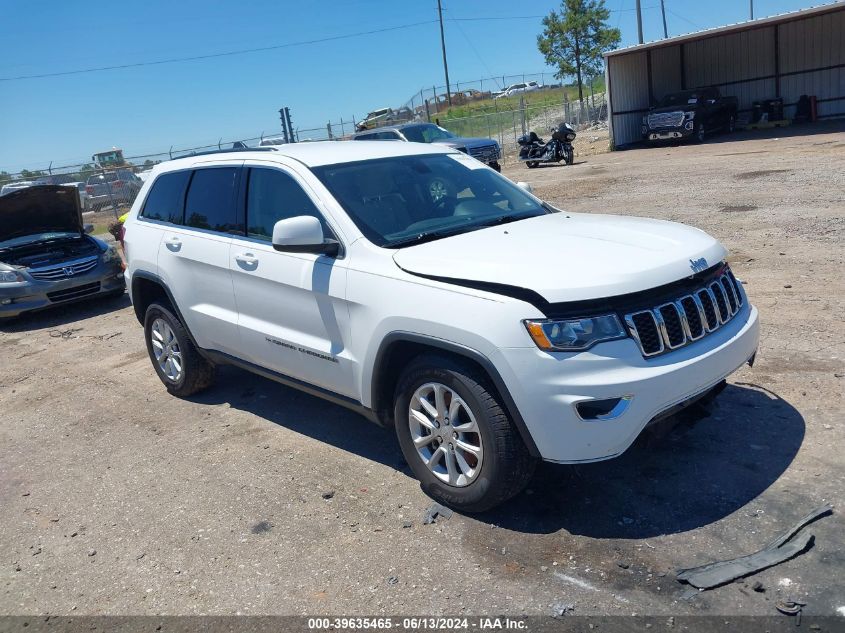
(110, 255)
(573, 335)
(690, 114)
(9, 277)
(570, 137)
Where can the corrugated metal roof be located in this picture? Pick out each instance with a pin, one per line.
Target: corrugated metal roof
(730, 28)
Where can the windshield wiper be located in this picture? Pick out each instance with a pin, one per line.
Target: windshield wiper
(421, 238)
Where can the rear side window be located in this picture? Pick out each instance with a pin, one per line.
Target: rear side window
(210, 203)
(166, 198)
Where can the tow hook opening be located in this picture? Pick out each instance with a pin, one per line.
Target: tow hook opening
(606, 409)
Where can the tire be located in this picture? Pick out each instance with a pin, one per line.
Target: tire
(700, 134)
(569, 157)
(531, 164)
(504, 467)
(195, 372)
(496, 166)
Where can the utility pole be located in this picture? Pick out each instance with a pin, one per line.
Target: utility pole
(751, 8)
(443, 47)
(639, 21)
(663, 11)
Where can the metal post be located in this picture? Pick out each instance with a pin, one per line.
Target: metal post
(427, 112)
(751, 8)
(663, 11)
(443, 47)
(640, 21)
(522, 112)
(329, 130)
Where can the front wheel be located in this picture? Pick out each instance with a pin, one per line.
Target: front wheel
(700, 133)
(456, 437)
(569, 156)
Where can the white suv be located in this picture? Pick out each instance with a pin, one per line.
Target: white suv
(422, 289)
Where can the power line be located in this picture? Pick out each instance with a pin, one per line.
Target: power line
(174, 60)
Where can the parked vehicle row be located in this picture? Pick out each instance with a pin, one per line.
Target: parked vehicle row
(422, 289)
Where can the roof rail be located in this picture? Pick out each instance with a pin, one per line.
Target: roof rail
(229, 150)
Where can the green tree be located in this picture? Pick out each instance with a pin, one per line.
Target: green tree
(5, 176)
(30, 175)
(575, 38)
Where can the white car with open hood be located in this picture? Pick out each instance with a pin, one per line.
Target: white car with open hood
(424, 290)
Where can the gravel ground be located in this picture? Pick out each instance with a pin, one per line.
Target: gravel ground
(116, 498)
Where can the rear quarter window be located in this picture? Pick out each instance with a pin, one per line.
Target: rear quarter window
(166, 200)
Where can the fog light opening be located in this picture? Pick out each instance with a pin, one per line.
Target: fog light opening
(607, 409)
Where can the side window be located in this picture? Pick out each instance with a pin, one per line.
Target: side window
(210, 203)
(273, 195)
(166, 199)
(366, 137)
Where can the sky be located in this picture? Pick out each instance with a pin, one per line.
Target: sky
(147, 109)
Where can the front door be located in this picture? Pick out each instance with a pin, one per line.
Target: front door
(292, 312)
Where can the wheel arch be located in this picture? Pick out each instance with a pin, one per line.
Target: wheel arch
(397, 349)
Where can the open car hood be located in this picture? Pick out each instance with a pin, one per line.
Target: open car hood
(40, 209)
(567, 256)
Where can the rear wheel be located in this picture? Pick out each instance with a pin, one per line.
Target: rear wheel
(531, 164)
(456, 437)
(176, 360)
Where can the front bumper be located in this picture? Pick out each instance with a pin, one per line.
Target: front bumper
(546, 387)
(667, 133)
(104, 278)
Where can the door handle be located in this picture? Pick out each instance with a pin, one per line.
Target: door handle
(173, 243)
(247, 259)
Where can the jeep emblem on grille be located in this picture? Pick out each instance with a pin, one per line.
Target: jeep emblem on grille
(698, 265)
(68, 271)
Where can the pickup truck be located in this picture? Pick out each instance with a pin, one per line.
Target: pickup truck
(690, 114)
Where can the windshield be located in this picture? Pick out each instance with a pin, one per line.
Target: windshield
(409, 199)
(35, 237)
(426, 133)
(690, 97)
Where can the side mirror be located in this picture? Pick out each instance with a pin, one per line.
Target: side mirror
(88, 228)
(303, 234)
(526, 186)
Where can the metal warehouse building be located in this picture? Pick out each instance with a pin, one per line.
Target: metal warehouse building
(785, 56)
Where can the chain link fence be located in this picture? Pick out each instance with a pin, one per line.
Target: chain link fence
(479, 109)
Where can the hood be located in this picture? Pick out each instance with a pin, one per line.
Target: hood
(466, 142)
(40, 209)
(568, 257)
(675, 108)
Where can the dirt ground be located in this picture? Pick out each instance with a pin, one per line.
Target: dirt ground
(116, 498)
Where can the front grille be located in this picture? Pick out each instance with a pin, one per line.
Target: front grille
(687, 318)
(484, 152)
(75, 292)
(665, 119)
(68, 269)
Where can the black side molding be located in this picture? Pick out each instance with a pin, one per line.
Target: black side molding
(466, 352)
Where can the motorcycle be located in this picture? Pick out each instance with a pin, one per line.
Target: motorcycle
(533, 150)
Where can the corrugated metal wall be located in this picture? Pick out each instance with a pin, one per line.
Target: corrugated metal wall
(742, 64)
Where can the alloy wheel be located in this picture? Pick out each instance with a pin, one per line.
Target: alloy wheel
(166, 349)
(446, 434)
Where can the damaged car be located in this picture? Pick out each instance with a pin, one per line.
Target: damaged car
(47, 257)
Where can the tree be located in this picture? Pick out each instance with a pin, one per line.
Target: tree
(5, 176)
(575, 38)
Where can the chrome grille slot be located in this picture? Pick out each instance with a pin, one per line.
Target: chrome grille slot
(674, 335)
(721, 302)
(644, 329)
(692, 313)
(67, 269)
(730, 292)
(688, 318)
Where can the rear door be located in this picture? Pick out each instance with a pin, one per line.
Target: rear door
(194, 256)
(292, 311)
